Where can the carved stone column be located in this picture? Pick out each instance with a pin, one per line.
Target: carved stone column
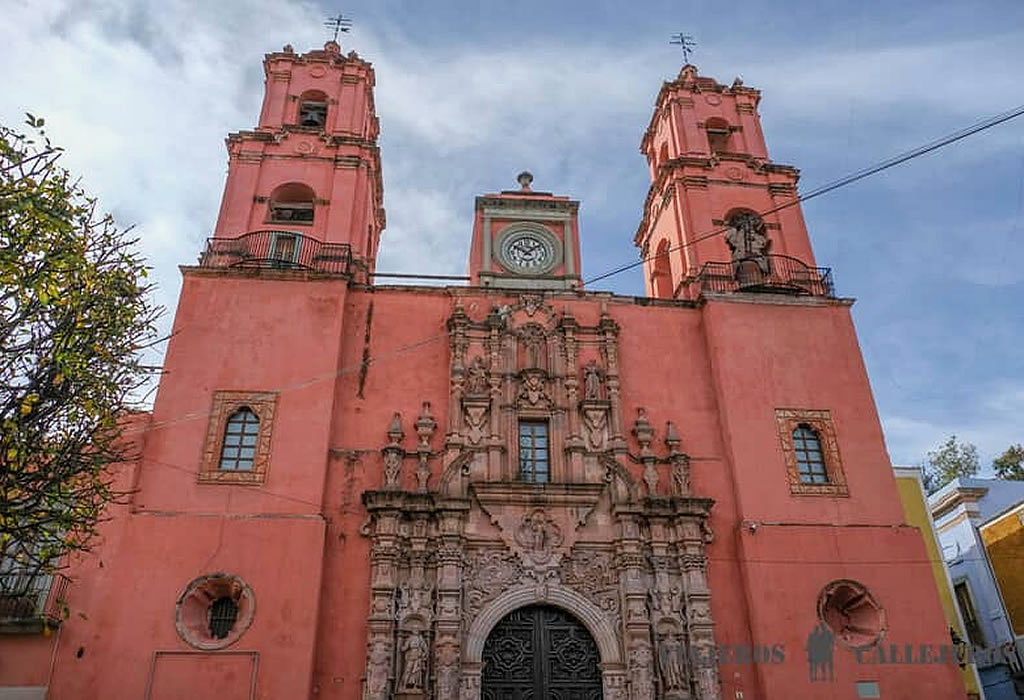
(693, 535)
(450, 558)
(635, 620)
(384, 558)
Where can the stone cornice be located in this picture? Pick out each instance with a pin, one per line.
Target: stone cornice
(568, 206)
(683, 87)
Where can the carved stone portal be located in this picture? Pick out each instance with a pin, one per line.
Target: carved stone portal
(615, 539)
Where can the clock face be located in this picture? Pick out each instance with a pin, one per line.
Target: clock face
(528, 252)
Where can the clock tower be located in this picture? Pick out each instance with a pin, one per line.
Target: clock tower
(524, 239)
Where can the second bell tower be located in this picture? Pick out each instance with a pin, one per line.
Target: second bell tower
(710, 171)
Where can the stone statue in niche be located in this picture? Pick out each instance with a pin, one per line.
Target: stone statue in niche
(748, 240)
(414, 654)
(476, 377)
(671, 657)
(593, 383)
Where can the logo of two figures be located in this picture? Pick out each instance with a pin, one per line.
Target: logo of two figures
(819, 653)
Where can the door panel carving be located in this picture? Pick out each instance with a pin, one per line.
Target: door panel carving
(541, 652)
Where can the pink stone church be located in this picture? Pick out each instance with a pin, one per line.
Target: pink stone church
(515, 487)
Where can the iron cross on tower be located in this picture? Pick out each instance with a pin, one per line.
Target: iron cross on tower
(686, 43)
(339, 24)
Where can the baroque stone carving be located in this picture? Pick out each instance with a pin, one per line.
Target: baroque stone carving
(488, 573)
(593, 382)
(533, 388)
(593, 573)
(539, 536)
(476, 419)
(447, 671)
(414, 656)
(641, 675)
(672, 663)
(477, 381)
(748, 241)
(595, 421)
(378, 670)
(442, 553)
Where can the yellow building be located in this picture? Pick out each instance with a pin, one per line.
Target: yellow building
(1003, 536)
(915, 507)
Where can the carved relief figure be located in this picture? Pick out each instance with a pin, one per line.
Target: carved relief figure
(377, 674)
(539, 536)
(447, 672)
(681, 476)
(392, 467)
(414, 652)
(476, 377)
(415, 599)
(641, 677)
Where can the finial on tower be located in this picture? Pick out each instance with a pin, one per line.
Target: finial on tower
(340, 24)
(686, 44)
(525, 178)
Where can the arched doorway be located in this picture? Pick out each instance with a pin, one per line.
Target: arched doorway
(540, 652)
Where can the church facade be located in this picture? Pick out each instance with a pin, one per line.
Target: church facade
(516, 488)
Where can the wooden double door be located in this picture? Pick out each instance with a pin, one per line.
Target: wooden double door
(540, 653)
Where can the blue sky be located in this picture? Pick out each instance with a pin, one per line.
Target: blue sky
(142, 93)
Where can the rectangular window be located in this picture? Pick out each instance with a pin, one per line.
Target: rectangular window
(966, 605)
(534, 464)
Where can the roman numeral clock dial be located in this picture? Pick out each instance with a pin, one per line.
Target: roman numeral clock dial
(527, 252)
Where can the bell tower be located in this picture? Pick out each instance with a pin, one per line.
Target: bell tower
(710, 172)
(308, 176)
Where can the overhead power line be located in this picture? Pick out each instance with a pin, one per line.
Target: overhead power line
(841, 182)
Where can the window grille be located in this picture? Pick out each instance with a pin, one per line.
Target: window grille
(223, 615)
(809, 459)
(239, 448)
(534, 465)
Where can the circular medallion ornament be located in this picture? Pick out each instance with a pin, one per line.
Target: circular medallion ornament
(318, 71)
(734, 173)
(528, 251)
(305, 147)
(713, 99)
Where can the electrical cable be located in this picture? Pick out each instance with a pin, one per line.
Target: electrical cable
(840, 182)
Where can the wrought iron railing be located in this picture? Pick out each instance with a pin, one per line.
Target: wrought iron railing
(779, 274)
(33, 598)
(275, 249)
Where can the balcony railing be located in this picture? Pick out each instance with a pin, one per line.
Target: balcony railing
(777, 274)
(27, 599)
(278, 250)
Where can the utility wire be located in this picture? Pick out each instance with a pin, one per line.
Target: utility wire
(841, 182)
(824, 189)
